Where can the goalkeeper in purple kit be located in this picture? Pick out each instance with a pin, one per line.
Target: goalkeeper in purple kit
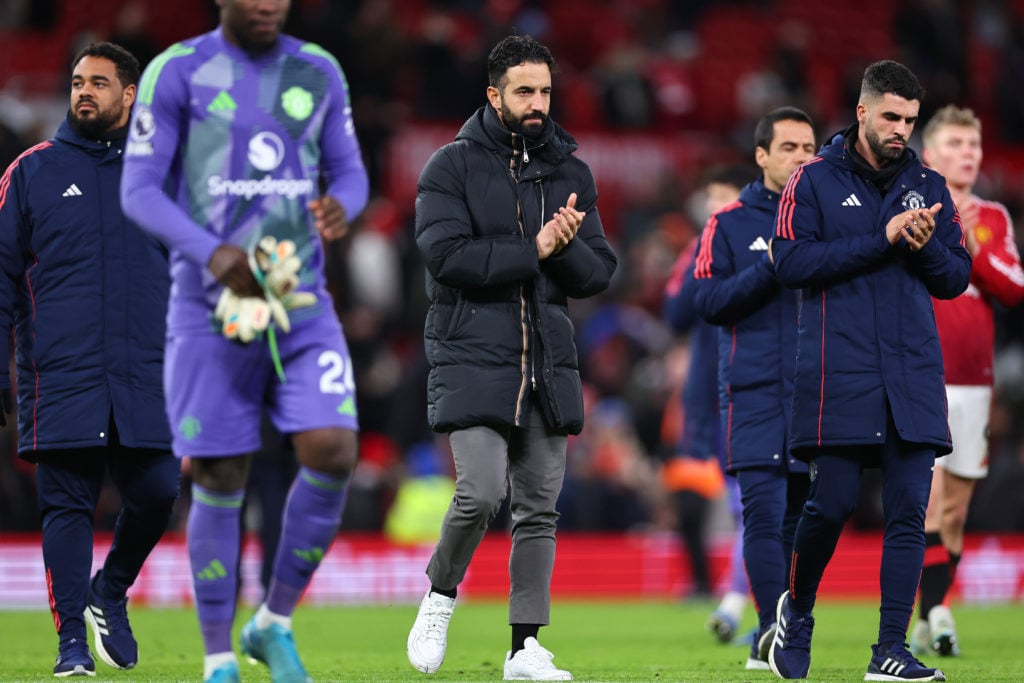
(233, 136)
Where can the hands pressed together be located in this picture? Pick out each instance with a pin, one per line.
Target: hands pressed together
(915, 226)
(560, 230)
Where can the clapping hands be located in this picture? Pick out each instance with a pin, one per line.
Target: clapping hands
(915, 226)
(556, 234)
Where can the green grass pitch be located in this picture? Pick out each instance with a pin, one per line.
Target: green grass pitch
(597, 641)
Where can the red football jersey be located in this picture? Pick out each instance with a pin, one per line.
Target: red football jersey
(966, 325)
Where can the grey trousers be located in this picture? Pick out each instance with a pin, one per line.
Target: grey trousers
(532, 460)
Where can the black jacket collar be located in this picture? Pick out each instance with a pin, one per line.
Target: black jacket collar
(552, 146)
(882, 178)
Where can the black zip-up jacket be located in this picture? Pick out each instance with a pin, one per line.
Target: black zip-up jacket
(498, 327)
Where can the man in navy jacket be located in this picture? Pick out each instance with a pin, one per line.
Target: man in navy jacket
(86, 292)
(702, 434)
(869, 235)
(736, 289)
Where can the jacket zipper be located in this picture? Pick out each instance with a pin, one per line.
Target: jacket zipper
(533, 363)
(524, 360)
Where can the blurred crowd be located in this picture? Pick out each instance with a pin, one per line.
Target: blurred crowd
(695, 74)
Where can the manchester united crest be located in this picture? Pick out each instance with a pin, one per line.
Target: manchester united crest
(913, 200)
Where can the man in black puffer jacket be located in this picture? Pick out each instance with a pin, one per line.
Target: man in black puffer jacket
(507, 222)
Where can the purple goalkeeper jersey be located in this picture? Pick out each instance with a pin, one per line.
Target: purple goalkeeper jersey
(227, 147)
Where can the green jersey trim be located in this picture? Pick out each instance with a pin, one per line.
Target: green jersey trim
(316, 50)
(148, 86)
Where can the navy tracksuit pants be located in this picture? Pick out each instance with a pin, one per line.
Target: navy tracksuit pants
(772, 498)
(69, 483)
(835, 487)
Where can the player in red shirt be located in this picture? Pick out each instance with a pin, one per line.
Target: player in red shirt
(952, 146)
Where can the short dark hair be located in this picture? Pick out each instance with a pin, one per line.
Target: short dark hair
(764, 132)
(889, 77)
(127, 66)
(513, 51)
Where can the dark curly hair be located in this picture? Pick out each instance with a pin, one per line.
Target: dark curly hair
(127, 66)
(513, 51)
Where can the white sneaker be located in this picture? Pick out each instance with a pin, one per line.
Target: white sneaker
(428, 637)
(943, 628)
(921, 639)
(754, 664)
(759, 649)
(533, 663)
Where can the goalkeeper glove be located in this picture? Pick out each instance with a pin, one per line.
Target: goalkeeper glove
(278, 264)
(242, 317)
(276, 267)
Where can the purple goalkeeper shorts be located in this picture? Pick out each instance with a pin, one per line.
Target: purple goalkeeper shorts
(217, 389)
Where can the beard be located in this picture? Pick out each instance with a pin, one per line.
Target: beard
(878, 148)
(253, 42)
(98, 123)
(516, 125)
(256, 46)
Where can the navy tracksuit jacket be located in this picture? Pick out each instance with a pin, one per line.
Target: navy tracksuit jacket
(737, 290)
(867, 342)
(701, 436)
(86, 291)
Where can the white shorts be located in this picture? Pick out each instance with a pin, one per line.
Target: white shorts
(969, 409)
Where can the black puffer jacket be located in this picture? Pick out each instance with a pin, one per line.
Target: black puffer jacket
(498, 325)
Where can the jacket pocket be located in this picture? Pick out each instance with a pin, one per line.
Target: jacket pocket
(456, 320)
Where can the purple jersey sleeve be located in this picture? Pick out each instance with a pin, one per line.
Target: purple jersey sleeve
(149, 158)
(342, 161)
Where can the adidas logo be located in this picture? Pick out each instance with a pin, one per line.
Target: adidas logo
(852, 201)
(222, 102)
(780, 632)
(347, 407)
(893, 667)
(758, 245)
(214, 570)
(313, 555)
(101, 621)
(72, 191)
